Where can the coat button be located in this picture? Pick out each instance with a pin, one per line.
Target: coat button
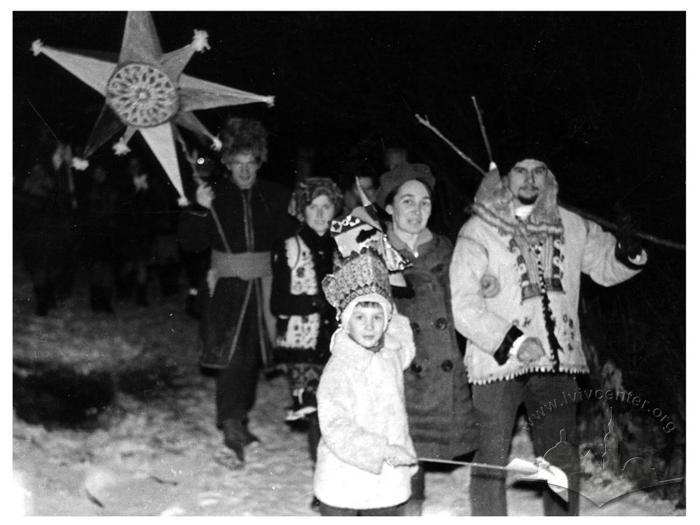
(416, 368)
(441, 323)
(415, 327)
(447, 365)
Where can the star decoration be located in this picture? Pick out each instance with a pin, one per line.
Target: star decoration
(146, 91)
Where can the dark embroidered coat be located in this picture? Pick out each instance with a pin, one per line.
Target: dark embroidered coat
(233, 299)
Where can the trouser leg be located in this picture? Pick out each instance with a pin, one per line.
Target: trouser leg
(414, 506)
(314, 435)
(554, 434)
(236, 384)
(496, 404)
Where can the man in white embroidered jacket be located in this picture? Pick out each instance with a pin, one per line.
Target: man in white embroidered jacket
(515, 277)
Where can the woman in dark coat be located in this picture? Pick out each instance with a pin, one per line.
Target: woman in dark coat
(442, 420)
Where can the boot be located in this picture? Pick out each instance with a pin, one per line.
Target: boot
(235, 437)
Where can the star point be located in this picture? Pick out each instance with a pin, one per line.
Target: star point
(147, 92)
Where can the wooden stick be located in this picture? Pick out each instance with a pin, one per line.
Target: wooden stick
(483, 129)
(611, 225)
(432, 128)
(192, 161)
(608, 224)
(43, 120)
(471, 464)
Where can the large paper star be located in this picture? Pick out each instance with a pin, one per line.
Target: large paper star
(146, 91)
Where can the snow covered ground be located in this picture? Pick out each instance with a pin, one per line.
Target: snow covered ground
(154, 452)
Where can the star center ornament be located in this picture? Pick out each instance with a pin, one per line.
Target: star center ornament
(146, 91)
(142, 95)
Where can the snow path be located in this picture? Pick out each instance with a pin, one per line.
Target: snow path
(156, 456)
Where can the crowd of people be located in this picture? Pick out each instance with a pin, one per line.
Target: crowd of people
(117, 222)
(346, 288)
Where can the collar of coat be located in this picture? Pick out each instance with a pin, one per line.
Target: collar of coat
(357, 356)
(424, 237)
(495, 204)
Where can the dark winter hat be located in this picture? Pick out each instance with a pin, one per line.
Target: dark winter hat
(391, 180)
(520, 149)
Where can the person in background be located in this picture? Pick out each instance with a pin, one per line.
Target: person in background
(166, 251)
(441, 416)
(135, 219)
(44, 221)
(351, 195)
(305, 320)
(195, 248)
(44, 239)
(245, 217)
(99, 236)
(515, 276)
(394, 157)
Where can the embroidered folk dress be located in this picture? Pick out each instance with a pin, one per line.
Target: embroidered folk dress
(559, 253)
(305, 320)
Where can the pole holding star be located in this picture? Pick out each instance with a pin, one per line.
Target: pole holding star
(146, 91)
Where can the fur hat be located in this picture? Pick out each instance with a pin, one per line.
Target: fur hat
(362, 274)
(307, 190)
(391, 180)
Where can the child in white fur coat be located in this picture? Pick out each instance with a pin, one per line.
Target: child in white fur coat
(366, 456)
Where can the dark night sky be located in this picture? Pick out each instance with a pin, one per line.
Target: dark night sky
(602, 93)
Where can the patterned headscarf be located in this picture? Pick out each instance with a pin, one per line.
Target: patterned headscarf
(307, 190)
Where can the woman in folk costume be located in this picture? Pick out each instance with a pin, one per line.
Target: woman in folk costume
(442, 420)
(242, 216)
(305, 320)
